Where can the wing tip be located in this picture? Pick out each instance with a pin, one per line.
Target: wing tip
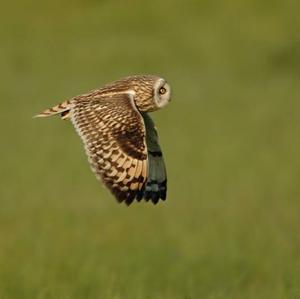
(128, 197)
(39, 115)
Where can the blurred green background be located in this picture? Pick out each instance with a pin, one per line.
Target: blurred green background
(230, 226)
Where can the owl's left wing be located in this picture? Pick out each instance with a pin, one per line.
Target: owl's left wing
(156, 185)
(113, 132)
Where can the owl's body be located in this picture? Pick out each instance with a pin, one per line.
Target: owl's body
(119, 136)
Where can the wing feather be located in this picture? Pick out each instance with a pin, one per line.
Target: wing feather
(156, 185)
(113, 133)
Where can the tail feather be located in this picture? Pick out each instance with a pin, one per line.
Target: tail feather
(58, 109)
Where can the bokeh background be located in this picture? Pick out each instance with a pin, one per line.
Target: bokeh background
(230, 226)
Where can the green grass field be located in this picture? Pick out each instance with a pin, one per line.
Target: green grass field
(231, 225)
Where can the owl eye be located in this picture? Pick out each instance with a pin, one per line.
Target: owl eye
(162, 90)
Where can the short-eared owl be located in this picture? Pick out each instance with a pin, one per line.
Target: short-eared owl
(119, 136)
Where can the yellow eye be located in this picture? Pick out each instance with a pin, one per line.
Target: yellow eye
(162, 90)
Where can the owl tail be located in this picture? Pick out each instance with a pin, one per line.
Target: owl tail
(63, 109)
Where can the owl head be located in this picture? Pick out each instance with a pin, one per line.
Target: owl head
(149, 92)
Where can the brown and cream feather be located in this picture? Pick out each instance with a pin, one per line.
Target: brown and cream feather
(111, 123)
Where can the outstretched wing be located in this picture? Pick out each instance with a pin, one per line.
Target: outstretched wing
(113, 133)
(156, 186)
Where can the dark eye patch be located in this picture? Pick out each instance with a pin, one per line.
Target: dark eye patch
(162, 90)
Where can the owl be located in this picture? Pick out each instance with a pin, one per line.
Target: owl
(119, 136)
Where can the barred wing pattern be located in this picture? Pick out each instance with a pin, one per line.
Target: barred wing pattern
(156, 186)
(113, 133)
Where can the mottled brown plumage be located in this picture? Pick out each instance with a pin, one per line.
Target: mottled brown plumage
(119, 137)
